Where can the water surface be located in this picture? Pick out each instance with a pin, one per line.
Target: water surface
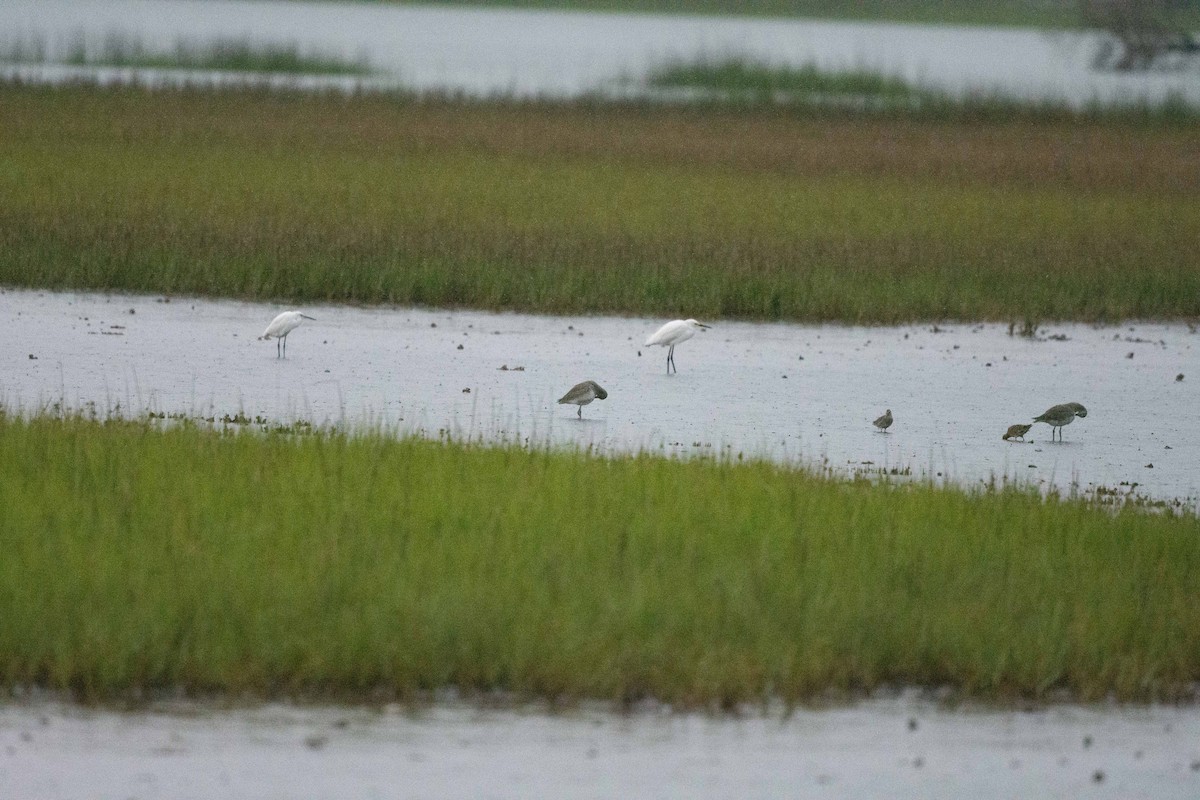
(563, 53)
(790, 393)
(890, 748)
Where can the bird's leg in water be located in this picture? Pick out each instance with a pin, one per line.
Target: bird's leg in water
(278, 354)
(581, 412)
(671, 359)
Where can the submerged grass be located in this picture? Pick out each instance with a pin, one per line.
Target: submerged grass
(233, 54)
(754, 80)
(139, 558)
(710, 212)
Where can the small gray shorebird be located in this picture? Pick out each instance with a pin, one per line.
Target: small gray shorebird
(583, 393)
(1017, 431)
(1058, 416)
(281, 326)
(671, 334)
(884, 422)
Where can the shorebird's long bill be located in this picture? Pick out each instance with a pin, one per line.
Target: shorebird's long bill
(306, 316)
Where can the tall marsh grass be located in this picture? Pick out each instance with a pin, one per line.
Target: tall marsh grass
(138, 558)
(756, 212)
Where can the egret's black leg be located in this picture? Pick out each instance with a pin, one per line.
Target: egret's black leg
(278, 354)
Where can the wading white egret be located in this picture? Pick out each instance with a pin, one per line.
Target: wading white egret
(583, 393)
(1058, 416)
(281, 326)
(671, 334)
(884, 422)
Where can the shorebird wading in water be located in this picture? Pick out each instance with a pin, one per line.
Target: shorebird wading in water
(1060, 415)
(583, 393)
(281, 326)
(671, 334)
(884, 422)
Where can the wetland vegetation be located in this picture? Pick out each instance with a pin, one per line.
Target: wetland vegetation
(231, 54)
(803, 214)
(143, 557)
(159, 555)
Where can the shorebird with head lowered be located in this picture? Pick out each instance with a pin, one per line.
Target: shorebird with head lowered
(281, 326)
(1017, 431)
(583, 393)
(671, 334)
(1058, 416)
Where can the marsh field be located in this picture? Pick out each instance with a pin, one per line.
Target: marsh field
(754, 213)
(142, 557)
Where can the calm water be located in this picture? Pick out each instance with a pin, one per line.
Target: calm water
(785, 392)
(894, 748)
(484, 51)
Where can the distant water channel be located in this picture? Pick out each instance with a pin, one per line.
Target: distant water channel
(790, 393)
(484, 51)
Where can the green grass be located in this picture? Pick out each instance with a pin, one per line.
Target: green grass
(225, 54)
(139, 559)
(758, 81)
(710, 212)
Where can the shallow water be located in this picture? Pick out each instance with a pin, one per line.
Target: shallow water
(895, 748)
(790, 393)
(559, 53)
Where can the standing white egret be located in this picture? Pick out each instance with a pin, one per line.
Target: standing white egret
(583, 393)
(281, 326)
(671, 334)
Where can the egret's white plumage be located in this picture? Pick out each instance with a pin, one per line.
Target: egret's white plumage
(671, 334)
(1058, 416)
(583, 393)
(281, 326)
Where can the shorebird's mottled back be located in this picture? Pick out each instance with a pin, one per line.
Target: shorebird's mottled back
(1017, 431)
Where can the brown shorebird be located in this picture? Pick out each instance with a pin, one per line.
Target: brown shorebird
(1058, 416)
(884, 422)
(1017, 431)
(583, 393)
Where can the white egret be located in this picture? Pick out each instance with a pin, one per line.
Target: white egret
(884, 422)
(671, 334)
(281, 326)
(583, 393)
(1058, 416)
